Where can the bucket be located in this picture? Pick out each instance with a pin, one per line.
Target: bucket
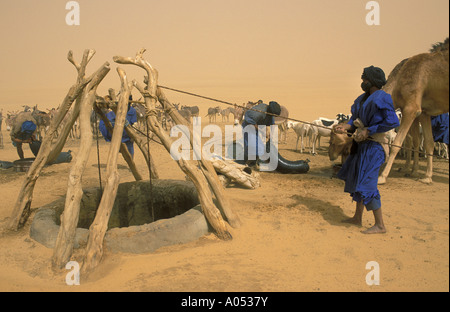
(22, 165)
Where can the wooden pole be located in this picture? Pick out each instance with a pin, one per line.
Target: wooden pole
(97, 231)
(123, 148)
(207, 168)
(21, 210)
(189, 167)
(139, 140)
(69, 219)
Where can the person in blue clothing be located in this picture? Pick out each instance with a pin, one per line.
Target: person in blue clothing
(373, 114)
(131, 118)
(23, 131)
(440, 127)
(254, 117)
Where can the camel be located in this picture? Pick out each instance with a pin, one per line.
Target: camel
(340, 145)
(419, 87)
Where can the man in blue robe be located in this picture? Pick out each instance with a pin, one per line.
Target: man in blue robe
(373, 114)
(254, 144)
(440, 126)
(131, 118)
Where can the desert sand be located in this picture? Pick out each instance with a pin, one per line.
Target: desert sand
(292, 238)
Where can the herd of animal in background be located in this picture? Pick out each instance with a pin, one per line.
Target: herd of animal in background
(308, 134)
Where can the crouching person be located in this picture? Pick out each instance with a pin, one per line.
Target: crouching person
(23, 131)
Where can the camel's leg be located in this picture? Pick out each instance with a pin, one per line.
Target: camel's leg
(415, 134)
(407, 120)
(406, 152)
(425, 120)
(296, 145)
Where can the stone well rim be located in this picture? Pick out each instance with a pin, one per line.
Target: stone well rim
(145, 238)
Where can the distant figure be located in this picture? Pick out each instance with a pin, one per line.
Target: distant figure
(440, 127)
(23, 131)
(257, 116)
(1, 119)
(131, 119)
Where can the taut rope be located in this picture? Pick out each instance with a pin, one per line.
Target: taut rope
(287, 118)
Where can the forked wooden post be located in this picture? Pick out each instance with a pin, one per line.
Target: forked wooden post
(47, 152)
(69, 218)
(97, 230)
(206, 166)
(190, 167)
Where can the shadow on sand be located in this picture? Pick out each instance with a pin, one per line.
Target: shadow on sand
(331, 213)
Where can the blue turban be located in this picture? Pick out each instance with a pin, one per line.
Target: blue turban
(28, 127)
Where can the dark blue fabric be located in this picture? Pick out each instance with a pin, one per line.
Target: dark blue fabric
(360, 171)
(131, 117)
(439, 126)
(257, 116)
(26, 132)
(28, 127)
(35, 146)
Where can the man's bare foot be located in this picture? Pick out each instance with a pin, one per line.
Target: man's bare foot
(376, 229)
(353, 220)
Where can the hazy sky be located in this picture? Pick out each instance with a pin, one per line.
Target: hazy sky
(307, 55)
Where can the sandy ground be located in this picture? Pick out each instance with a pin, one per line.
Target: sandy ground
(291, 240)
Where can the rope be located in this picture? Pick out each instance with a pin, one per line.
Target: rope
(98, 155)
(145, 135)
(150, 171)
(287, 118)
(243, 107)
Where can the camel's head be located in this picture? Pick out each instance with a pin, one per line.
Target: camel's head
(340, 144)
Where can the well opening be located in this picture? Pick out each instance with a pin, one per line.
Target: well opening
(131, 228)
(138, 203)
